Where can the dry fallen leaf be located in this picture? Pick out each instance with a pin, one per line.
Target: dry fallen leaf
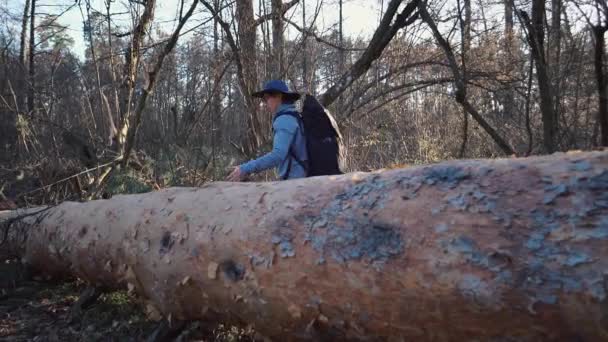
(212, 270)
(184, 281)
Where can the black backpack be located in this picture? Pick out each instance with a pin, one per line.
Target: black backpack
(323, 139)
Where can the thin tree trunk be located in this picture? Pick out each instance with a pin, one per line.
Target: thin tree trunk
(21, 89)
(110, 122)
(599, 57)
(341, 64)
(527, 114)
(31, 69)
(262, 8)
(509, 63)
(554, 56)
(536, 39)
(130, 71)
(113, 132)
(305, 84)
(278, 43)
(500, 254)
(216, 106)
(465, 30)
(249, 77)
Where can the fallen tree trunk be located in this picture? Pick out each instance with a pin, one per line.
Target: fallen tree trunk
(511, 249)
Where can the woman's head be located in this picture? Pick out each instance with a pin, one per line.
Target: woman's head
(275, 93)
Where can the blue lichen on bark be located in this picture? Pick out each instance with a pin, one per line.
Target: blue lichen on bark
(446, 176)
(346, 231)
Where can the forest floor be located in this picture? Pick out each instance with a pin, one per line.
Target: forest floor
(37, 310)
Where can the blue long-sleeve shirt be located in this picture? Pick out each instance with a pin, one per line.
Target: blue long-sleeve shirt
(287, 134)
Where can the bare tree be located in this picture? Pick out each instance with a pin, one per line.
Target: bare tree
(391, 23)
(152, 77)
(536, 38)
(134, 54)
(460, 81)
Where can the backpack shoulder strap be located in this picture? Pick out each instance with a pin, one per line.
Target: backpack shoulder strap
(290, 113)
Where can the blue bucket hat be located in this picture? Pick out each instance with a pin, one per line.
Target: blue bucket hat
(277, 86)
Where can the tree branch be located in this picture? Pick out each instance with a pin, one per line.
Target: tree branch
(381, 38)
(286, 7)
(152, 82)
(317, 37)
(459, 81)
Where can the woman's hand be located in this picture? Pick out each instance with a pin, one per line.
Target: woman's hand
(236, 175)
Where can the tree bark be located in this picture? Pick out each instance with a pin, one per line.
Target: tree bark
(509, 62)
(216, 104)
(554, 52)
(341, 61)
(599, 56)
(536, 37)
(246, 62)
(22, 57)
(111, 128)
(465, 36)
(249, 78)
(278, 42)
(305, 85)
(511, 249)
(31, 67)
(130, 72)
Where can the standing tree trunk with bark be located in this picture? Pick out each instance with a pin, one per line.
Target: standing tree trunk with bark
(536, 38)
(305, 85)
(216, 104)
(465, 37)
(599, 58)
(554, 57)
(341, 61)
(247, 38)
(278, 41)
(463, 250)
(130, 72)
(509, 62)
(22, 58)
(31, 68)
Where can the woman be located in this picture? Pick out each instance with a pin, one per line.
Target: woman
(288, 153)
